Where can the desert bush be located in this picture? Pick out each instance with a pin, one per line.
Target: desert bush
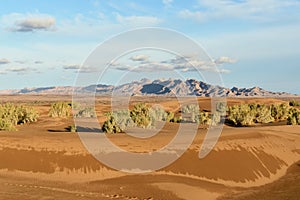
(86, 113)
(157, 114)
(75, 105)
(170, 116)
(247, 114)
(12, 115)
(216, 118)
(192, 108)
(221, 107)
(123, 119)
(7, 125)
(140, 114)
(117, 121)
(280, 111)
(176, 119)
(72, 128)
(241, 115)
(294, 103)
(60, 109)
(219, 115)
(204, 118)
(8, 112)
(26, 114)
(193, 111)
(263, 114)
(111, 126)
(294, 117)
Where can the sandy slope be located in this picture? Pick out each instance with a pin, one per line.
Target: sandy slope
(42, 161)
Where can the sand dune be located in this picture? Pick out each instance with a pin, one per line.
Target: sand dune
(42, 161)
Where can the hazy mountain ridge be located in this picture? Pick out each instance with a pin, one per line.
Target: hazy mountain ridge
(169, 87)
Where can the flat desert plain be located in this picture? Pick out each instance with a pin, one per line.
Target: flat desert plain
(44, 161)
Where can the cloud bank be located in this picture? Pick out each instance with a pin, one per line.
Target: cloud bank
(139, 58)
(29, 25)
(71, 67)
(34, 23)
(183, 64)
(4, 61)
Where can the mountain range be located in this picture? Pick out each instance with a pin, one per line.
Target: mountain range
(164, 87)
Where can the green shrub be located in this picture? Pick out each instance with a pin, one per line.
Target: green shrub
(140, 115)
(111, 126)
(7, 125)
(60, 109)
(176, 119)
(280, 111)
(216, 118)
(247, 114)
(170, 116)
(26, 115)
(263, 114)
(242, 115)
(192, 108)
(143, 116)
(294, 103)
(12, 115)
(157, 114)
(72, 128)
(192, 111)
(204, 118)
(86, 113)
(117, 121)
(219, 114)
(221, 107)
(294, 117)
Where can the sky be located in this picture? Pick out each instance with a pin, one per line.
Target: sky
(249, 42)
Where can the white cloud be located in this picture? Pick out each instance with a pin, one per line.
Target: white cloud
(183, 64)
(147, 67)
(29, 22)
(138, 20)
(71, 67)
(139, 58)
(38, 62)
(81, 69)
(4, 61)
(20, 70)
(225, 59)
(88, 70)
(33, 24)
(84, 68)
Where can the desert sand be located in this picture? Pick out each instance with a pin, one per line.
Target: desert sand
(43, 161)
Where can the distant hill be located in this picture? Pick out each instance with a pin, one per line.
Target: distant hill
(169, 87)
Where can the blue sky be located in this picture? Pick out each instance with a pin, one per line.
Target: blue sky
(44, 42)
